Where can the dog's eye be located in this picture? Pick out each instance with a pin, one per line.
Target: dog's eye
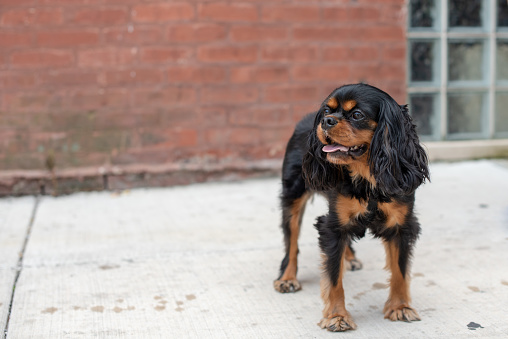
(357, 115)
(326, 111)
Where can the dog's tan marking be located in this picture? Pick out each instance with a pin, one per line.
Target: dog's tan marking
(335, 316)
(397, 306)
(332, 103)
(349, 209)
(289, 275)
(360, 169)
(321, 134)
(395, 213)
(349, 255)
(348, 105)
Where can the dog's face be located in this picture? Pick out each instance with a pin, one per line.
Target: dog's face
(362, 125)
(346, 127)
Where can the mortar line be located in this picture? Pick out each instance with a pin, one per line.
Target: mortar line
(19, 265)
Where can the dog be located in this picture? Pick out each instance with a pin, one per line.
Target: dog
(361, 151)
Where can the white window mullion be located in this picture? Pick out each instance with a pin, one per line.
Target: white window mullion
(492, 68)
(444, 69)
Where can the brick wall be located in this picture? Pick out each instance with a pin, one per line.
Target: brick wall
(101, 83)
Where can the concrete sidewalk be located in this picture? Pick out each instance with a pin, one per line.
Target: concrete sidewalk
(199, 262)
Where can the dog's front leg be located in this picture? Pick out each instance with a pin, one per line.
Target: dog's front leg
(333, 245)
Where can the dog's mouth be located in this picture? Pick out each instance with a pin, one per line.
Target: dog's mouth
(338, 149)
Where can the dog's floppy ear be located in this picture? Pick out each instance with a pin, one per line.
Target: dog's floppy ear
(319, 174)
(397, 160)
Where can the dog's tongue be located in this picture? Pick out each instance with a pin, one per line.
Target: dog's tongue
(334, 148)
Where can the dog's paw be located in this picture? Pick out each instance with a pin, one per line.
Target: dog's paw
(338, 323)
(401, 313)
(287, 286)
(353, 264)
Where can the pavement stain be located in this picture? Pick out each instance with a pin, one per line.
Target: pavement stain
(379, 286)
(504, 282)
(474, 288)
(109, 267)
(50, 310)
(98, 309)
(161, 306)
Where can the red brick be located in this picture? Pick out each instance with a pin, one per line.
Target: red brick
(228, 53)
(280, 53)
(230, 12)
(259, 74)
(391, 52)
(68, 77)
(93, 99)
(31, 17)
(258, 33)
(351, 53)
(290, 93)
(215, 116)
(165, 54)
(134, 35)
(15, 39)
(357, 14)
(100, 16)
(290, 13)
(196, 74)
(272, 116)
(365, 71)
(16, 80)
(229, 94)
(163, 12)
(166, 96)
(323, 33)
(42, 58)
(378, 33)
(68, 38)
(393, 71)
(106, 57)
(328, 72)
(244, 136)
(196, 32)
(25, 100)
(131, 77)
(185, 137)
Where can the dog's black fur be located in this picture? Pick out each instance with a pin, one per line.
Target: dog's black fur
(369, 182)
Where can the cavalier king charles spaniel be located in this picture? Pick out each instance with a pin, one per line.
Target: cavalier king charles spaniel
(360, 150)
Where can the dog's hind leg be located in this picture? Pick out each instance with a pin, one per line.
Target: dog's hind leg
(294, 197)
(351, 263)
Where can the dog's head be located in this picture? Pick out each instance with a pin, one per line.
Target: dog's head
(361, 127)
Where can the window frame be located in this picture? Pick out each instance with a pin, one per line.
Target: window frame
(442, 35)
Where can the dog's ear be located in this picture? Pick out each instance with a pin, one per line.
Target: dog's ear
(397, 160)
(319, 174)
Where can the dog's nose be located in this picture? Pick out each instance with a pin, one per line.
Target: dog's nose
(328, 122)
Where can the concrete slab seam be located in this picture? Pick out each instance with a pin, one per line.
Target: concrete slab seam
(19, 265)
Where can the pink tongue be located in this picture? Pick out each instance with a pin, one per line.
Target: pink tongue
(334, 148)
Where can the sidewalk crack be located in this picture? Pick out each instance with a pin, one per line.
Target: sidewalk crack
(19, 265)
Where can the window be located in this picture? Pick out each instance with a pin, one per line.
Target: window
(458, 68)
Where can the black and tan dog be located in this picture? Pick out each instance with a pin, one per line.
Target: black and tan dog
(361, 151)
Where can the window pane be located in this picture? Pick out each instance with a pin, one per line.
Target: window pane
(421, 107)
(465, 113)
(465, 60)
(502, 60)
(465, 13)
(502, 13)
(422, 59)
(422, 13)
(501, 112)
